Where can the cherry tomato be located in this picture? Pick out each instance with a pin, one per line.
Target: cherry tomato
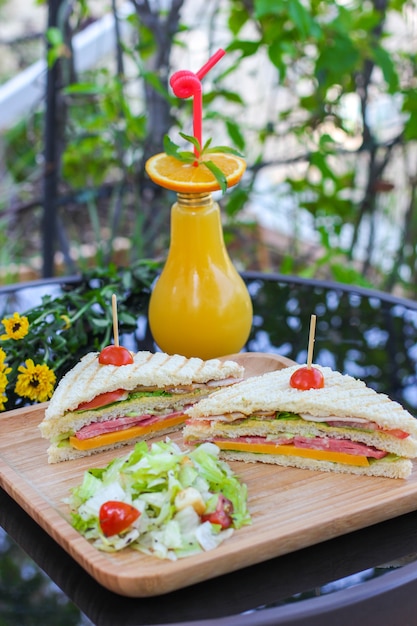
(222, 515)
(102, 399)
(115, 517)
(307, 378)
(115, 355)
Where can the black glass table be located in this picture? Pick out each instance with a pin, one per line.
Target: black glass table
(369, 574)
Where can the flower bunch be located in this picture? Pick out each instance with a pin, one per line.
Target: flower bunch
(39, 346)
(32, 381)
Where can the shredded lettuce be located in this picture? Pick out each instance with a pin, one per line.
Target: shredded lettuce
(286, 415)
(150, 478)
(149, 394)
(62, 438)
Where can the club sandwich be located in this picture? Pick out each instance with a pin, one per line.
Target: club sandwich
(97, 407)
(343, 427)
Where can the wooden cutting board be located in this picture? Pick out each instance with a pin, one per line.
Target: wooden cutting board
(290, 508)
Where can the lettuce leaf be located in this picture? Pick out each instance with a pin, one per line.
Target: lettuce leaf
(150, 478)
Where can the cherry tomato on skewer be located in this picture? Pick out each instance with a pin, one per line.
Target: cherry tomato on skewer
(307, 378)
(115, 355)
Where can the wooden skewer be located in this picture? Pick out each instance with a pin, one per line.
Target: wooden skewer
(115, 321)
(311, 341)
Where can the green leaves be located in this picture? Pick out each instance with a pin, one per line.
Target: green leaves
(56, 46)
(235, 133)
(384, 60)
(303, 90)
(302, 19)
(171, 149)
(410, 109)
(264, 8)
(64, 328)
(218, 174)
(245, 47)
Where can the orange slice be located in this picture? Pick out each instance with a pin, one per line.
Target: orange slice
(170, 173)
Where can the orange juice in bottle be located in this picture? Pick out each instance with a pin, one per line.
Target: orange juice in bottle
(199, 306)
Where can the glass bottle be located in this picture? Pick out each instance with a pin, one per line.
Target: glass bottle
(200, 305)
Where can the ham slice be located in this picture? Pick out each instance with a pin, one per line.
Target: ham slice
(358, 424)
(120, 423)
(316, 443)
(277, 441)
(339, 445)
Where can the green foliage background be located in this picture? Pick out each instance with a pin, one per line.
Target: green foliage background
(318, 94)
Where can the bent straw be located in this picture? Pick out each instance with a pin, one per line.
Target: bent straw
(186, 84)
(210, 63)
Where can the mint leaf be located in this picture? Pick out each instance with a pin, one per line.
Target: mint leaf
(192, 140)
(187, 157)
(206, 145)
(224, 150)
(171, 149)
(217, 173)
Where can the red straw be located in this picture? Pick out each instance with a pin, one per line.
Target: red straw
(210, 63)
(186, 84)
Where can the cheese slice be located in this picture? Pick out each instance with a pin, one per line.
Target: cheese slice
(107, 439)
(289, 449)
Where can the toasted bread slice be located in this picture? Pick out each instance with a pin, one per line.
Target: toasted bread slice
(151, 391)
(265, 419)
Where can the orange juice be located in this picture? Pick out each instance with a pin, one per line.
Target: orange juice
(199, 306)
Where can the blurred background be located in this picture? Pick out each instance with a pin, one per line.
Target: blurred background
(318, 95)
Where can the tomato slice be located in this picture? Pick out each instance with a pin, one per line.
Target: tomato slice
(115, 517)
(396, 432)
(222, 515)
(307, 378)
(115, 355)
(102, 399)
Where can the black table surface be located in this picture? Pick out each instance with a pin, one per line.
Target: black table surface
(370, 574)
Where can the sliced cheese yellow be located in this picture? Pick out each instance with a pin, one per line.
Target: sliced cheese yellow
(124, 435)
(319, 455)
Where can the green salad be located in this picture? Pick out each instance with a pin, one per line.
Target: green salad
(161, 501)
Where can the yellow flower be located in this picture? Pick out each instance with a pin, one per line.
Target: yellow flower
(3, 384)
(35, 382)
(16, 327)
(2, 357)
(3, 400)
(4, 370)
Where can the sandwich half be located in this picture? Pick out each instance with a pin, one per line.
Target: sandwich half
(97, 407)
(343, 427)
